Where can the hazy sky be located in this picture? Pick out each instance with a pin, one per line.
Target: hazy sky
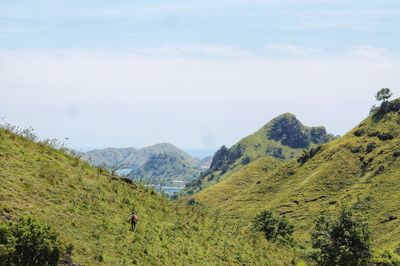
(198, 74)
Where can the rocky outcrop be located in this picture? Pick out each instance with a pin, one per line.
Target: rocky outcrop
(291, 132)
(225, 157)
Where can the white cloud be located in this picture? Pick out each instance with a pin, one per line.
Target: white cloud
(179, 75)
(192, 7)
(369, 52)
(88, 94)
(291, 50)
(218, 51)
(319, 24)
(20, 29)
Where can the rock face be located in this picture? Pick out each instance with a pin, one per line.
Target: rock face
(289, 131)
(292, 133)
(225, 157)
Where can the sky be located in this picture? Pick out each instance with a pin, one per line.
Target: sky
(198, 74)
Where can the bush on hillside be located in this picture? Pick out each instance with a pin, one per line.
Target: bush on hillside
(341, 239)
(275, 152)
(386, 106)
(28, 242)
(7, 243)
(274, 226)
(308, 154)
(383, 95)
(246, 160)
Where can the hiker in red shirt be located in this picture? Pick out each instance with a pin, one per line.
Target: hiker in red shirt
(133, 220)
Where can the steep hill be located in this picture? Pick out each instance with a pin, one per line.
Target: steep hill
(284, 138)
(360, 169)
(89, 209)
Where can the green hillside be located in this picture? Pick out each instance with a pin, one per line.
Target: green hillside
(360, 169)
(284, 138)
(89, 209)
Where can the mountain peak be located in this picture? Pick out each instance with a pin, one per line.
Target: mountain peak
(285, 116)
(283, 138)
(288, 130)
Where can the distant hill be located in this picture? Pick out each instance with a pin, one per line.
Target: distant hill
(133, 158)
(205, 163)
(164, 168)
(159, 163)
(88, 208)
(360, 169)
(283, 138)
(113, 157)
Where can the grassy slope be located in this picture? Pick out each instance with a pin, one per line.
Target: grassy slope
(238, 181)
(89, 210)
(332, 177)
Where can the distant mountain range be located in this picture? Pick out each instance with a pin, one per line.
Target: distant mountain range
(157, 164)
(283, 138)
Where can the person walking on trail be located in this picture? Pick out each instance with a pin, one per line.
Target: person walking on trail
(134, 220)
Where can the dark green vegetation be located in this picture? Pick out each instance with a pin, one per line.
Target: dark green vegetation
(384, 95)
(342, 239)
(360, 169)
(275, 227)
(27, 242)
(158, 164)
(89, 209)
(284, 138)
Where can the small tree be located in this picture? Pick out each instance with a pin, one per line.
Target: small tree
(383, 95)
(342, 239)
(273, 225)
(7, 243)
(27, 242)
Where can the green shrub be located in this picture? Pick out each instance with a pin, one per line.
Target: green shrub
(383, 95)
(273, 226)
(28, 242)
(246, 160)
(342, 239)
(7, 243)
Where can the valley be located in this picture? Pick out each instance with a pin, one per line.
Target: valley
(88, 206)
(199, 133)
